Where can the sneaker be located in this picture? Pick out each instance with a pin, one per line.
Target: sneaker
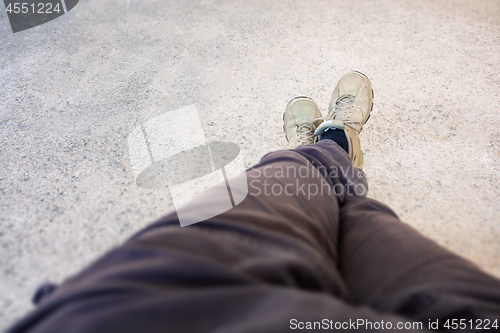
(350, 107)
(299, 121)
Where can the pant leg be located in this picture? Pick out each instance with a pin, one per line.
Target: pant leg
(391, 267)
(264, 266)
(271, 260)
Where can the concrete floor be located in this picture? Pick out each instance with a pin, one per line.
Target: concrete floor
(72, 90)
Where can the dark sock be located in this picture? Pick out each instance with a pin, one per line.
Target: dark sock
(338, 136)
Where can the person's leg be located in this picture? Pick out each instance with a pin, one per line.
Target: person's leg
(266, 265)
(271, 259)
(391, 267)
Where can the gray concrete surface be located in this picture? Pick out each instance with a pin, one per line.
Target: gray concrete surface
(73, 89)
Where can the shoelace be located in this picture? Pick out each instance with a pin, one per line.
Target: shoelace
(341, 111)
(305, 131)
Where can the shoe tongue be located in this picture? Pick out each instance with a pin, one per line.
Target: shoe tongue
(332, 123)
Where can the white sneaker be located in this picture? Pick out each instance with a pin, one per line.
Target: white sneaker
(299, 121)
(350, 107)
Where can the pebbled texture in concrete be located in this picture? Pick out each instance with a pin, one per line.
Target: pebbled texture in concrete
(73, 89)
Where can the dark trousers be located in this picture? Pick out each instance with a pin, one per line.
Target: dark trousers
(305, 249)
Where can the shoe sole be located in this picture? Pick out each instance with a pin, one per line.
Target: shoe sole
(362, 157)
(371, 109)
(369, 83)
